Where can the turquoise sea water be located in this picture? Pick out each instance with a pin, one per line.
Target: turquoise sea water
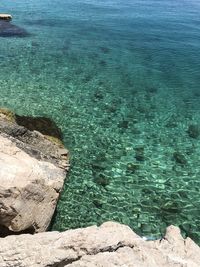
(122, 81)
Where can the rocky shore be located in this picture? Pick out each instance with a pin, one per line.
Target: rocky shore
(110, 245)
(33, 166)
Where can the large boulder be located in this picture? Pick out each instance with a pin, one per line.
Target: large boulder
(33, 167)
(109, 245)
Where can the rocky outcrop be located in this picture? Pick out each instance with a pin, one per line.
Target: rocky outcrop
(109, 245)
(5, 17)
(33, 167)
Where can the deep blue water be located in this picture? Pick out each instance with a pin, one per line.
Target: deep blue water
(121, 79)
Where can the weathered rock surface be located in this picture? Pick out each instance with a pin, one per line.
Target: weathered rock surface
(32, 172)
(109, 245)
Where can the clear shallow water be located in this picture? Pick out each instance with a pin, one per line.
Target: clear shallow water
(121, 79)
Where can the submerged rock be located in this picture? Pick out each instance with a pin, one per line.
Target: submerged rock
(193, 131)
(123, 124)
(32, 173)
(132, 167)
(102, 180)
(179, 158)
(111, 244)
(139, 153)
(8, 29)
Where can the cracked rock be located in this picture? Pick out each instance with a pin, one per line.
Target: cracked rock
(30, 176)
(110, 245)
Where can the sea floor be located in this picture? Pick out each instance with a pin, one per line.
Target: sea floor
(129, 112)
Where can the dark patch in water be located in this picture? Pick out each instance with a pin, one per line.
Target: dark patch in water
(139, 153)
(10, 30)
(123, 124)
(98, 95)
(102, 63)
(193, 131)
(179, 158)
(104, 49)
(41, 124)
(102, 180)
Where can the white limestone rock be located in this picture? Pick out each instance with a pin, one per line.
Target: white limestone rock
(29, 189)
(110, 245)
(5, 16)
(32, 173)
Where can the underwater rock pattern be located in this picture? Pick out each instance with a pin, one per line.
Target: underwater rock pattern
(111, 244)
(32, 172)
(8, 29)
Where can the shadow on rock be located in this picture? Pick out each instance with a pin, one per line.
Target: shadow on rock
(41, 124)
